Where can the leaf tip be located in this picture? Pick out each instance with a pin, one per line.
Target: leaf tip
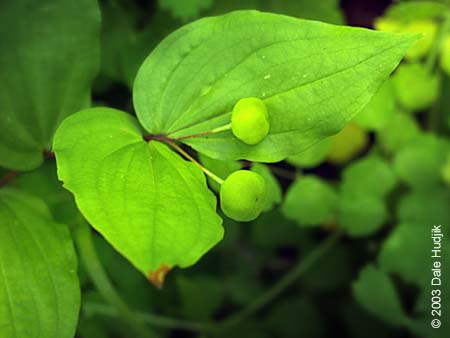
(157, 277)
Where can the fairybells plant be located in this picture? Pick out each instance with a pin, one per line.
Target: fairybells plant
(188, 90)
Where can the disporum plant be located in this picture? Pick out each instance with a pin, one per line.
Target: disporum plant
(155, 186)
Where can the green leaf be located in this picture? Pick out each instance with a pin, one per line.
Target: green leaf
(380, 109)
(310, 201)
(371, 175)
(313, 156)
(375, 292)
(49, 54)
(397, 132)
(39, 290)
(149, 203)
(361, 214)
(43, 183)
(425, 207)
(419, 163)
(406, 252)
(272, 185)
(312, 76)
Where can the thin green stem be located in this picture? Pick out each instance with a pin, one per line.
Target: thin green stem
(204, 133)
(92, 309)
(287, 280)
(432, 58)
(86, 248)
(193, 160)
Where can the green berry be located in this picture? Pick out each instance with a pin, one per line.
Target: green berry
(445, 55)
(415, 88)
(242, 195)
(250, 120)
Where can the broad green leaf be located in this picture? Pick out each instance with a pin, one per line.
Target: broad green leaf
(39, 290)
(273, 186)
(397, 132)
(313, 77)
(361, 214)
(419, 163)
(380, 109)
(313, 156)
(49, 55)
(219, 168)
(376, 293)
(371, 175)
(149, 203)
(310, 201)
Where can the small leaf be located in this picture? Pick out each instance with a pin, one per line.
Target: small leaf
(380, 109)
(347, 144)
(397, 132)
(376, 293)
(48, 59)
(417, 10)
(272, 185)
(371, 175)
(361, 214)
(39, 290)
(149, 203)
(419, 163)
(313, 77)
(310, 201)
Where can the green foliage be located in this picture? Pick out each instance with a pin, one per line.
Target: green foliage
(220, 168)
(399, 130)
(208, 76)
(243, 195)
(346, 145)
(126, 181)
(39, 291)
(310, 201)
(419, 163)
(415, 88)
(313, 156)
(47, 62)
(186, 9)
(376, 293)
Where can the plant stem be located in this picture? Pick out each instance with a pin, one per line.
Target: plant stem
(193, 160)
(212, 131)
(302, 266)
(160, 321)
(437, 43)
(86, 248)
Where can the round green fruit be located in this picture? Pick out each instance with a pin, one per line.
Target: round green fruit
(242, 195)
(250, 120)
(347, 144)
(415, 88)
